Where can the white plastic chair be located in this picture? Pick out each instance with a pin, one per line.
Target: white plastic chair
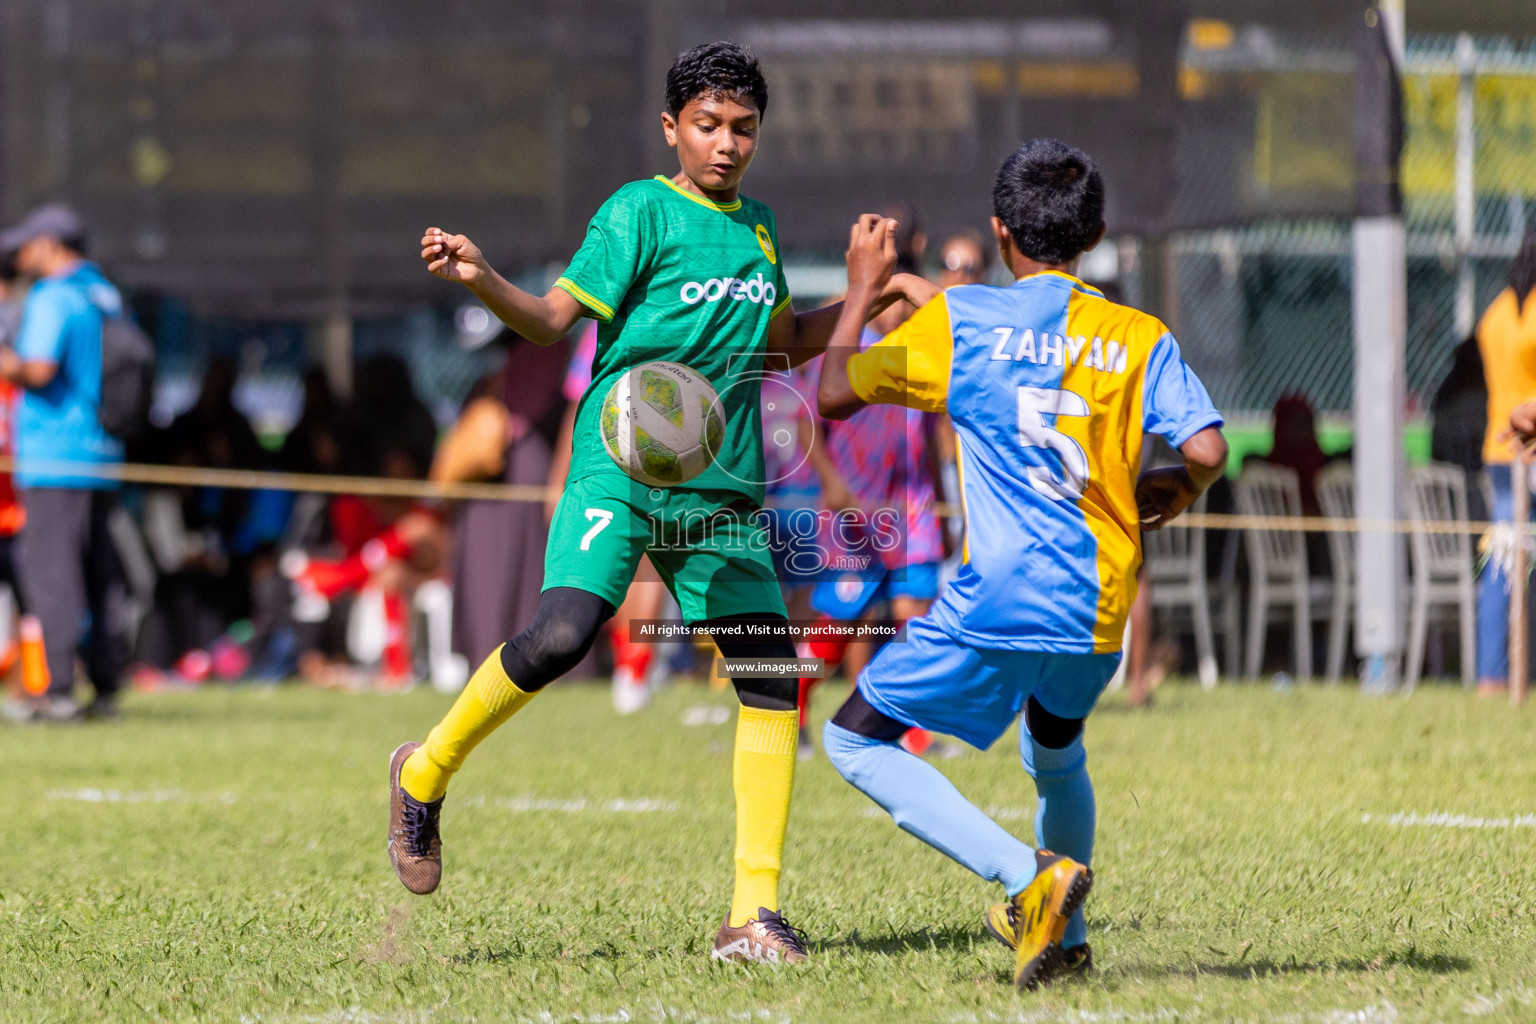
(1277, 563)
(1336, 494)
(1442, 564)
(1175, 569)
(433, 605)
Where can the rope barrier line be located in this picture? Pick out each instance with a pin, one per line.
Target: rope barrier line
(1328, 524)
(259, 480)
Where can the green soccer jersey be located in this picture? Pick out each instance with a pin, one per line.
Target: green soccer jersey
(671, 275)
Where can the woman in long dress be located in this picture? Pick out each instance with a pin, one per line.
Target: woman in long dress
(498, 547)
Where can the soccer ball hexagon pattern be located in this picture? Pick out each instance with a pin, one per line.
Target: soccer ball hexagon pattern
(662, 423)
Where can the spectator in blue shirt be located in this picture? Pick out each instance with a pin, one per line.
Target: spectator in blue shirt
(69, 567)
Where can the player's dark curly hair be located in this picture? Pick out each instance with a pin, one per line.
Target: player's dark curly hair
(1522, 273)
(718, 69)
(1051, 198)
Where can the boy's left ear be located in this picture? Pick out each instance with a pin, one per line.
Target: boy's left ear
(669, 128)
(1099, 235)
(1004, 239)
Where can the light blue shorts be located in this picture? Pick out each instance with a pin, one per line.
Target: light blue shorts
(933, 681)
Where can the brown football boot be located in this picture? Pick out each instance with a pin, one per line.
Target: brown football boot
(415, 849)
(764, 939)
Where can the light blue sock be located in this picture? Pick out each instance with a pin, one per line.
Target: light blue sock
(1065, 817)
(923, 802)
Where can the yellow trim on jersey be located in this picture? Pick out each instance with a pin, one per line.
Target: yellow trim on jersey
(730, 207)
(1115, 398)
(586, 298)
(783, 305)
(1079, 282)
(909, 366)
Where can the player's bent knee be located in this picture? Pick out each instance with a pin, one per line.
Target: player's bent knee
(1047, 764)
(564, 627)
(1050, 730)
(1050, 746)
(844, 750)
(766, 693)
(533, 662)
(861, 718)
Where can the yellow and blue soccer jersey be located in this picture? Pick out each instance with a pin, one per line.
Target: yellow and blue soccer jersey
(1050, 387)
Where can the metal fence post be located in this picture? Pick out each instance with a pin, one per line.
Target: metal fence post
(1466, 191)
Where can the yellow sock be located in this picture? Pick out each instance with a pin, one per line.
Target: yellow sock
(764, 776)
(489, 699)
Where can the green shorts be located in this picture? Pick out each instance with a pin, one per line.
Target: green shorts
(709, 547)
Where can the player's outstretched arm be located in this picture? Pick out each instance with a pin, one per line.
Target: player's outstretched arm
(804, 336)
(542, 320)
(871, 258)
(1162, 494)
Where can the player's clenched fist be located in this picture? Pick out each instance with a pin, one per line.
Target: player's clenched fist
(1161, 494)
(452, 257)
(871, 252)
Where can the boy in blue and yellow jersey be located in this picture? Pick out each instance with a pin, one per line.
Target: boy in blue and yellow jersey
(1050, 387)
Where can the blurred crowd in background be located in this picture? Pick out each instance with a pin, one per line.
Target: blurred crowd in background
(185, 583)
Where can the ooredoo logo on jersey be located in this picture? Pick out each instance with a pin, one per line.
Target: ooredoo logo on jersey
(753, 289)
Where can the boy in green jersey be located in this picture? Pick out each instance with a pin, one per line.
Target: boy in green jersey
(682, 269)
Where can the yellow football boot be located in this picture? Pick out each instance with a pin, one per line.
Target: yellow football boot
(1033, 922)
(1002, 923)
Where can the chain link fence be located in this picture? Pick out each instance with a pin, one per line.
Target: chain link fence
(1265, 310)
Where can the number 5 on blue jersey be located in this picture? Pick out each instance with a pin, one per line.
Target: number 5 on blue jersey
(1051, 388)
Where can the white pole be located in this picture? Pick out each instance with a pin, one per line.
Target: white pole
(1380, 309)
(1466, 195)
(1381, 329)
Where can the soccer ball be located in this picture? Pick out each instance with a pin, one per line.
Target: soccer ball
(662, 423)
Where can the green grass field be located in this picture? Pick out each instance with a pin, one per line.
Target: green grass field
(220, 856)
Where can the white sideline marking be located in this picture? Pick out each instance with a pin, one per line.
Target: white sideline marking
(1482, 1006)
(351, 1015)
(1445, 819)
(998, 812)
(706, 714)
(153, 796)
(525, 804)
(1377, 1013)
